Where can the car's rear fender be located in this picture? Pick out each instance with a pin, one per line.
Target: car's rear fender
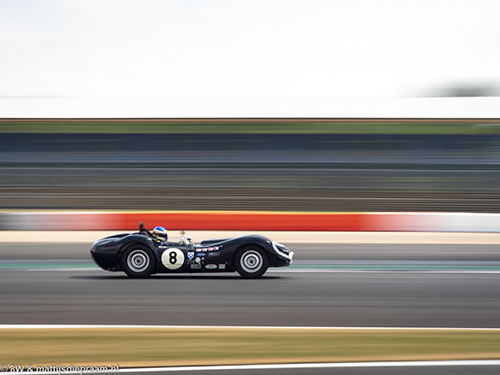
(136, 239)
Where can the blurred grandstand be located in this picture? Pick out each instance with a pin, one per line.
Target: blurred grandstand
(260, 164)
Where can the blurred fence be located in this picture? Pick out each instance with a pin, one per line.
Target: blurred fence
(305, 172)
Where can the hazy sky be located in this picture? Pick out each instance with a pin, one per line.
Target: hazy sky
(253, 55)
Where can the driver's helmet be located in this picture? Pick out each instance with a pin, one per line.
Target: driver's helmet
(160, 234)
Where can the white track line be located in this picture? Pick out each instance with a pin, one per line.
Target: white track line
(381, 270)
(69, 326)
(319, 365)
(284, 366)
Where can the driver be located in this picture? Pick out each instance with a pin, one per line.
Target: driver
(160, 235)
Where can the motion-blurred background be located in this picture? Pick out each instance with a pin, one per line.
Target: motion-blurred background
(251, 164)
(244, 105)
(250, 105)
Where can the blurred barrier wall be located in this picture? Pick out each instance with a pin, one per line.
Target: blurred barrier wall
(254, 221)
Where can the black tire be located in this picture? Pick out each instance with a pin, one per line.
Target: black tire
(251, 262)
(138, 261)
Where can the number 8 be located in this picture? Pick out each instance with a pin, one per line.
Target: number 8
(173, 258)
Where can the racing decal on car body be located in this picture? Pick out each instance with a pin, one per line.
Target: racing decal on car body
(190, 255)
(172, 258)
(211, 266)
(204, 249)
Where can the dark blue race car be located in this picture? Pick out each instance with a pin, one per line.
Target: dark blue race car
(141, 254)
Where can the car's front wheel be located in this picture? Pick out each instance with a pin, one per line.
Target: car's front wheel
(251, 262)
(138, 262)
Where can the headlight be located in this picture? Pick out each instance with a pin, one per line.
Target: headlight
(282, 250)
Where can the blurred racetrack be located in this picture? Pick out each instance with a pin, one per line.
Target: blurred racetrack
(330, 285)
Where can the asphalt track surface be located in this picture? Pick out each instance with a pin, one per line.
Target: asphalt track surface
(330, 285)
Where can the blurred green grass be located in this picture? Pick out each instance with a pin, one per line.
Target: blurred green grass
(253, 126)
(132, 347)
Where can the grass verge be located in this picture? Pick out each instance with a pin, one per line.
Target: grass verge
(134, 347)
(255, 126)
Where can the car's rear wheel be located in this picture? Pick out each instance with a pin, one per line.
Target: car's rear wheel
(138, 261)
(251, 262)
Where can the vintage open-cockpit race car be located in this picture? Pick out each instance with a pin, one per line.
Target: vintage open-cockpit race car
(141, 254)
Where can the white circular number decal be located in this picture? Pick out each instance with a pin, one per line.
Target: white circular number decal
(172, 258)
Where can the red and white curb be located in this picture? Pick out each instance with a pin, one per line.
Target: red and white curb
(253, 221)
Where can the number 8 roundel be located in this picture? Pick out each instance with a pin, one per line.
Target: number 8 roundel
(172, 258)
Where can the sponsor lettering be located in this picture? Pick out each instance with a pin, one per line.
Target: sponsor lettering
(211, 266)
(205, 249)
